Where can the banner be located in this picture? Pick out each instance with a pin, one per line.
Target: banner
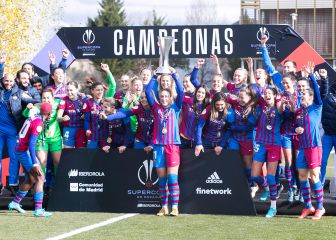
(226, 41)
(91, 180)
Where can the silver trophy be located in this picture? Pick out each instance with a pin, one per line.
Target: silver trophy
(165, 44)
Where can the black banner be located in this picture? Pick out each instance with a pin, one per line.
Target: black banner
(190, 41)
(91, 180)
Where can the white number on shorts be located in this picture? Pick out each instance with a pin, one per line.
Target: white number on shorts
(256, 147)
(66, 134)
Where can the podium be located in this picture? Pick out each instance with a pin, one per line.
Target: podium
(94, 181)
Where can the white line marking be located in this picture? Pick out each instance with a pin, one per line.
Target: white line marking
(93, 226)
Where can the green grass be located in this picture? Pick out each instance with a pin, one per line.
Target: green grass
(143, 226)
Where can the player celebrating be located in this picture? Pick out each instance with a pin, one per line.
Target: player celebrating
(192, 109)
(307, 121)
(144, 132)
(268, 144)
(92, 124)
(215, 135)
(73, 118)
(25, 153)
(166, 140)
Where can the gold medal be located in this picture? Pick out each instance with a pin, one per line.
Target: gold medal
(218, 134)
(109, 140)
(269, 127)
(164, 130)
(98, 126)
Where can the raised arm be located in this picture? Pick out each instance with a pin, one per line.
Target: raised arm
(275, 75)
(149, 89)
(193, 75)
(324, 84)
(310, 70)
(112, 88)
(179, 90)
(250, 70)
(122, 113)
(215, 61)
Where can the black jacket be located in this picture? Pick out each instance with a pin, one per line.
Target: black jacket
(328, 95)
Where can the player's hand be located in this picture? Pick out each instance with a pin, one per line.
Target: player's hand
(214, 59)
(249, 62)
(65, 53)
(30, 105)
(102, 116)
(299, 130)
(88, 133)
(106, 149)
(323, 73)
(198, 150)
(65, 118)
(121, 149)
(218, 150)
(52, 57)
(200, 62)
(105, 67)
(263, 40)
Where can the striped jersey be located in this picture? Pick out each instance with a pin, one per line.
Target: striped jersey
(268, 116)
(241, 119)
(214, 129)
(188, 126)
(231, 87)
(92, 122)
(60, 91)
(166, 130)
(287, 126)
(145, 120)
(32, 125)
(310, 119)
(74, 109)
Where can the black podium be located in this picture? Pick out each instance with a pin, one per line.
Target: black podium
(94, 181)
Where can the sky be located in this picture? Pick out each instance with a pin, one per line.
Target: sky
(76, 12)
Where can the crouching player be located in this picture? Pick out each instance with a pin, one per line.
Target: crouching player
(25, 153)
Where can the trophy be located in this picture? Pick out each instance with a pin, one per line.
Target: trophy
(165, 44)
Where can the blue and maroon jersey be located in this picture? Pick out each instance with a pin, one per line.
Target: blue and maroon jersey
(260, 90)
(166, 130)
(309, 119)
(214, 129)
(60, 91)
(241, 119)
(231, 87)
(268, 116)
(119, 95)
(33, 125)
(287, 126)
(92, 121)
(74, 109)
(188, 94)
(145, 120)
(118, 132)
(188, 126)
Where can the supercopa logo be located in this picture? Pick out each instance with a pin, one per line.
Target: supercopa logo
(146, 175)
(88, 37)
(262, 31)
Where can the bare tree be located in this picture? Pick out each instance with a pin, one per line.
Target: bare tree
(204, 12)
